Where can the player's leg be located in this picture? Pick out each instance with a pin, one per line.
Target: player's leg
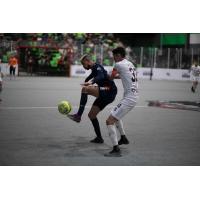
(105, 98)
(117, 114)
(86, 90)
(110, 122)
(120, 128)
(10, 71)
(1, 88)
(194, 83)
(14, 71)
(1, 85)
(93, 117)
(192, 88)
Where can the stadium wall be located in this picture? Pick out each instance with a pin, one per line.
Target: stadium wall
(143, 73)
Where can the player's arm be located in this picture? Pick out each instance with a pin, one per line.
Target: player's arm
(88, 80)
(89, 77)
(114, 74)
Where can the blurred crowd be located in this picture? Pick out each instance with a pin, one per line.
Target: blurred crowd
(99, 45)
(51, 50)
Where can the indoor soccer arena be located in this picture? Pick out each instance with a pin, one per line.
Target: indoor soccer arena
(42, 69)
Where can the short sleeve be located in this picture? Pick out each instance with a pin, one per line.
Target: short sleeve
(116, 66)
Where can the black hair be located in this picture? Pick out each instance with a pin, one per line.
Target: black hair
(119, 50)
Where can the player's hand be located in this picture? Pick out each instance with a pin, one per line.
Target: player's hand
(114, 74)
(87, 83)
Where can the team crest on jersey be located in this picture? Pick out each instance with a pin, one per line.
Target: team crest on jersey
(180, 105)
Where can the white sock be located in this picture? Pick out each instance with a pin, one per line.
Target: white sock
(113, 134)
(120, 127)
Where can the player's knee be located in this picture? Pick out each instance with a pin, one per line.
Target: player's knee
(109, 122)
(84, 89)
(91, 116)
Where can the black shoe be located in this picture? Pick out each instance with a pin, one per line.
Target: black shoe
(192, 89)
(97, 140)
(123, 140)
(75, 118)
(116, 152)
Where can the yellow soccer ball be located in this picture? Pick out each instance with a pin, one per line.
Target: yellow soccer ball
(64, 107)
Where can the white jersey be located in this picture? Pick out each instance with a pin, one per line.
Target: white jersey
(128, 75)
(195, 71)
(1, 76)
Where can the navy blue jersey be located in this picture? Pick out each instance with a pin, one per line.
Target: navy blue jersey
(100, 77)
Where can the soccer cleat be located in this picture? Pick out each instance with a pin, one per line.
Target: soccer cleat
(116, 152)
(123, 140)
(75, 118)
(97, 140)
(192, 89)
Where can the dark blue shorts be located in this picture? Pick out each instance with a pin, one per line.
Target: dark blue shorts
(106, 96)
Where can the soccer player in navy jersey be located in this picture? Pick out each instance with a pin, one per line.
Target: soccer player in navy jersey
(99, 85)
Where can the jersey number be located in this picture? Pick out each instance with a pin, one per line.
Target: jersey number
(134, 78)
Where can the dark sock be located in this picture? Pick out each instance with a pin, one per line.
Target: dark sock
(95, 124)
(83, 102)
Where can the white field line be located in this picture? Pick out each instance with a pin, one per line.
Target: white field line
(50, 107)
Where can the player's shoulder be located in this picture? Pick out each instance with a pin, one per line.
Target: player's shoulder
(121, 63)
(125, 62)
(98, 67)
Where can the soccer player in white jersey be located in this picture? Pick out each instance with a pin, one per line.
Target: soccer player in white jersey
(195, 76)
(127, 73)
(1, 79)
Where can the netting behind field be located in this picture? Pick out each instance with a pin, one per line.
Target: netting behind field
(173, 58)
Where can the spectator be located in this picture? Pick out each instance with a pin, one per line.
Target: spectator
(30, 65)
(13, 65)
(69, 60)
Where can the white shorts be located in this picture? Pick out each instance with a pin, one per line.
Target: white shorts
(195, 78)
(122, 108)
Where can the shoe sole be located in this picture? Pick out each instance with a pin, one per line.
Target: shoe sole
(96, 142)
(113, 155)
(123, 143)
(73, 119)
